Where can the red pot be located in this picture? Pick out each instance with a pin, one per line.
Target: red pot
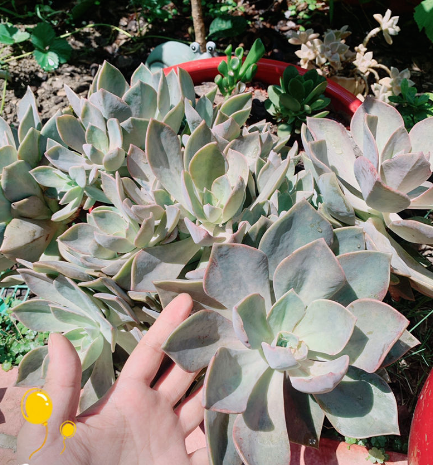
(269, 72)
(421, 432)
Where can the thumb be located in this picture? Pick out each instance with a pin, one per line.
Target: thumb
(63, 381)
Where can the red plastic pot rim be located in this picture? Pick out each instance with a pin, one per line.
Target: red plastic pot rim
(421, 432)
(269, 71)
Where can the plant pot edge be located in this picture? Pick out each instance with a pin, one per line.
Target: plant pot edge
(270, 71)
(422, 426)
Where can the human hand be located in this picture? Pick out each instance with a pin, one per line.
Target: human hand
(133, 424)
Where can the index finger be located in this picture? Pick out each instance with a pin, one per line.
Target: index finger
(146, 358)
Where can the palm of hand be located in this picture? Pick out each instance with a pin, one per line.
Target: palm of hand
(133, 424)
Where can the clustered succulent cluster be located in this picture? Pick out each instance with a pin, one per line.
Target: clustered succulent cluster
(297, 97)
(141, 192)
(333, 58)
(371, 177)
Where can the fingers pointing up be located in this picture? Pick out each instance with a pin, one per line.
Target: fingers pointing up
(144, 362)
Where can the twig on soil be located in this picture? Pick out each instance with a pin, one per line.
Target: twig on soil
(118, 29)
(3, 97)
(18, 57)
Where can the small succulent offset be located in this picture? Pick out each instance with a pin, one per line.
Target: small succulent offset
(235, 73)
(412, 107)
(281, 359)
(388, 25)
(297, 97)
(384, 171)
(389, 87)
(333, 58)
(26, 227)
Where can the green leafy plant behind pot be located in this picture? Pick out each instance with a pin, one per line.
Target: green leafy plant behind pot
(10, 35)
(227, 26)
(423, 16)
(50, 51)
(412, 107)
(296, 98)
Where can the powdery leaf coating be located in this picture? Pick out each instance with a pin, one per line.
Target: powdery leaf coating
(227, 280)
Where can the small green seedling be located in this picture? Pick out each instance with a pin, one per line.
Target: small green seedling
(376, 455)
(235, 74)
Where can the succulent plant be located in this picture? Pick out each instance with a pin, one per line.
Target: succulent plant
(145, 193)
(290, 355)
(384, 171)
(235, 72)
(302, 37)
(413, 106)
(391, 86)
(388, 25)
(99, 137)
(26, 228)
(333, 50)
(211, 186)
(297, 97)
(179, 196)
(95, 322)
(333, 58)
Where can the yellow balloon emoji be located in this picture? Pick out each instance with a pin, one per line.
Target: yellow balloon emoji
(36, 407)
(67, 430)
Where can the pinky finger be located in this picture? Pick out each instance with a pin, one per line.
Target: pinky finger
(199, 457)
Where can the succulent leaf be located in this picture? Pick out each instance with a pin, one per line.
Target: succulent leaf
(227, 390)
(298, 227)
(260, 434)
(228, 281)
(367, 275)
(221, 447)
(312, 271)
(30, 371)
(378, 328)
(304, 417)
(361, 395)
(314, 377)
(319, 322)
(249, 322)
(216, 331)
